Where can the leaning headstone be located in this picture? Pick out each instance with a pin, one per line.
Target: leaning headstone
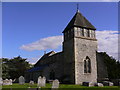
(55, 84)
(39, 81)
(85, 84)
(111, 84)
(100, 85)
(21, 80)
(31, 83)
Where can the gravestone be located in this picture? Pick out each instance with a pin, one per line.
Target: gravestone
(10, 81)
(107, 83)
(111, 84)
(1, 81)
(21, 80)
(39, 81)
(100, 85)
(55, 84)
(31, 83)
(43, 82)
(6, 82)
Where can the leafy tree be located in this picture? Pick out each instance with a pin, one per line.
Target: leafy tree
(5, 68)
(13, 68)
(113, 66)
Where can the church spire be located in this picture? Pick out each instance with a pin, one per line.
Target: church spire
(79, 20)
(78, 7)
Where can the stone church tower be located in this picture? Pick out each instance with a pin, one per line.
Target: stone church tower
(79, 48)
(78, 62)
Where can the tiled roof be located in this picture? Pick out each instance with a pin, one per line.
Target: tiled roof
(80, 21)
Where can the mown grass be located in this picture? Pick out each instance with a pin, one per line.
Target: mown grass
(26, 86)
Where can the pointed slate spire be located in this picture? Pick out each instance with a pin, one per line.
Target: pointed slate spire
(79, 20)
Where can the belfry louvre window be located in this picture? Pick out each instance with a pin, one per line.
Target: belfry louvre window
(87, 65)
(82, 32)
(87, 32)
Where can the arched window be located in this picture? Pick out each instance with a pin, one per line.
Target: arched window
(87, 33)
(82, 32)
(90, 33)
(87, 65)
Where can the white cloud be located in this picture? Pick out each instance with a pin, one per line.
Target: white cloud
(107, 42)
(44, 43)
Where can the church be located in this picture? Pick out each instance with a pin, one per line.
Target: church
(78, 61)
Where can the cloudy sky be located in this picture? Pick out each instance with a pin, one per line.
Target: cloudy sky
(30, 28)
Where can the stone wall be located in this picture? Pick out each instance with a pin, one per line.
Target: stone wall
(85, 47)
(55, 66)
(69, 63)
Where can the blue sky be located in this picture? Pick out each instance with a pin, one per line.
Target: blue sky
(25, 23)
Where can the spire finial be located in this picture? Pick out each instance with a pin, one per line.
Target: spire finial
(77, 7)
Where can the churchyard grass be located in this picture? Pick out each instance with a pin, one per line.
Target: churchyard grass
(16, 86)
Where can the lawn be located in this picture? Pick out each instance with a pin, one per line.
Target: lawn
(16, 86)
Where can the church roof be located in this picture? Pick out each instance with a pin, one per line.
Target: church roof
(80, 21)
(37, 68)
(45, 56)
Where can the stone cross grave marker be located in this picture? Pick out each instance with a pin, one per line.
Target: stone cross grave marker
(55, 84)
(21, 80)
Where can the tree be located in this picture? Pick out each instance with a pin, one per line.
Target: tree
(5, 68)
(113, 66)
(13, 68)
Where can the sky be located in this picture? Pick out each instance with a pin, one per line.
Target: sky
(60, 0)
(30, 28)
